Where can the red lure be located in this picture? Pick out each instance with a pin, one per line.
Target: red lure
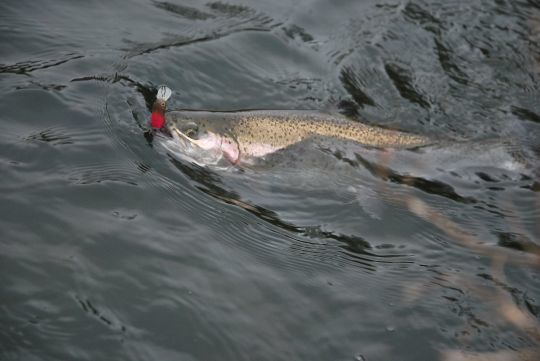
(157, 120)
(158, 115)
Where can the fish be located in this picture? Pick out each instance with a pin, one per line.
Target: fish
(242, 136)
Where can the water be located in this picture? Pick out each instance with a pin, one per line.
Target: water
(112, 249)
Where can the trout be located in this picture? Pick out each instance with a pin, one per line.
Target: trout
(244, 135)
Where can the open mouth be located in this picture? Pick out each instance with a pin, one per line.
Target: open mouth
(204, 151)
(185, 137)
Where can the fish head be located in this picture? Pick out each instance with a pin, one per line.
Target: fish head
(201, 144)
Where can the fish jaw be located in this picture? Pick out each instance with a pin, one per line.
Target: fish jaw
(203, 151)
(210, 148)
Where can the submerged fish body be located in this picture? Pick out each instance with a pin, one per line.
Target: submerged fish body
(241, 136)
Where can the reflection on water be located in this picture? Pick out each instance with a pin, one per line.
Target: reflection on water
(116, 248)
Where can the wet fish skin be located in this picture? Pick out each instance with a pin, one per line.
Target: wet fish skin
(284, 128)
(260, 132)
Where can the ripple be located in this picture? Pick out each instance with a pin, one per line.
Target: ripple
(226, 20)
(526, 114)
(295, 31)
(53, 136)
(387, 174)
(33, 84)
(518, 242)
(187, 12)
(417, 14)
(103, 173)
(109, 320)
(353, 84)
(403, 82)
(29, 66)
(451, 69)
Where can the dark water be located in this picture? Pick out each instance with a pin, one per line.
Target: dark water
(115, 250)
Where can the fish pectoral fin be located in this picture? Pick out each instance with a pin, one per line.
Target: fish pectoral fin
(231, 151)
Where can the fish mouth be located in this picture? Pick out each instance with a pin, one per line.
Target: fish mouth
(213, 145)
(203, 151)
(185, 137)
(203, 144)
(184, 142)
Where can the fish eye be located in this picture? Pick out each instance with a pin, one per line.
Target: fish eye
(191, 130)
(191, 133)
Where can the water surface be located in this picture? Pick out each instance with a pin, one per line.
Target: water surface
(114, 249)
